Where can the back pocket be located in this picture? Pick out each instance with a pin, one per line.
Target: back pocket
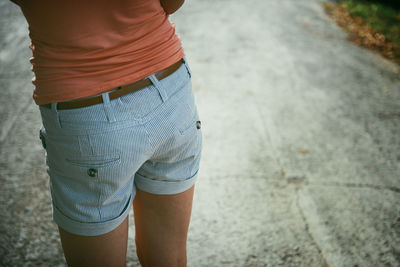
(94, 161)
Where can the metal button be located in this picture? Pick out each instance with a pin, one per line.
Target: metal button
(92, 172)
(198, 124)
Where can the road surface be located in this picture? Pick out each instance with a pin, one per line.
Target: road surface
(301, 158)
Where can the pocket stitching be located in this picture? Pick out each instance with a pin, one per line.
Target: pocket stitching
(192, 123)
(95, 161)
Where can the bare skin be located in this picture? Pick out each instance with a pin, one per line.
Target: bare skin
(161, 227)
(103, 250)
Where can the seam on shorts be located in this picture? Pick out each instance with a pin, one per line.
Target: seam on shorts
(80, 145)
(98, 202)
(148, 137)
(90, 143)
(95, 161)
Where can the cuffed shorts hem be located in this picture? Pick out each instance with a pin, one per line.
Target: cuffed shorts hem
(164, 187)
(89, 229)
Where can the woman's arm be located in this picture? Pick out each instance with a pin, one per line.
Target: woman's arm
(170, 6)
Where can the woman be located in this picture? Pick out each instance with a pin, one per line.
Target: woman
(120, 127)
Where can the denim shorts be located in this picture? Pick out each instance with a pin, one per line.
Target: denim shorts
(97, 156)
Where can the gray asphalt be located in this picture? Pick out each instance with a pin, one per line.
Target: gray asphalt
(301, 159)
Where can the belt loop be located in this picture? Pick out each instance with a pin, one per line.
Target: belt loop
(54, 107)
(157, 84)
(55, 114)
(107, 107)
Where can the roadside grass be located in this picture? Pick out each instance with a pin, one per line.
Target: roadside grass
(370, 24)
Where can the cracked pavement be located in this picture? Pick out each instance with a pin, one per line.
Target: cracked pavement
(301, 158)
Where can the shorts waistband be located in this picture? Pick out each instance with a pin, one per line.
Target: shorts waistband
(117, 92)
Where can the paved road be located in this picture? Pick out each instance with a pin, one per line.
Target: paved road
(301, 161)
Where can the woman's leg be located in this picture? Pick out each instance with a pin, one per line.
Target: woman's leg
(103, 250)
(161, 226)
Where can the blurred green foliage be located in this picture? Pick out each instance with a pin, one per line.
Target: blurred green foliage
(382, 16)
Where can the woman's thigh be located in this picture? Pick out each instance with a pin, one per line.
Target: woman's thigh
(161, 227)
(102, 250)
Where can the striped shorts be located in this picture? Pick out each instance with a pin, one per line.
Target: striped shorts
(97, 156)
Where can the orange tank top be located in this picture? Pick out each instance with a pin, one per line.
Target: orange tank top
(82, 48)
